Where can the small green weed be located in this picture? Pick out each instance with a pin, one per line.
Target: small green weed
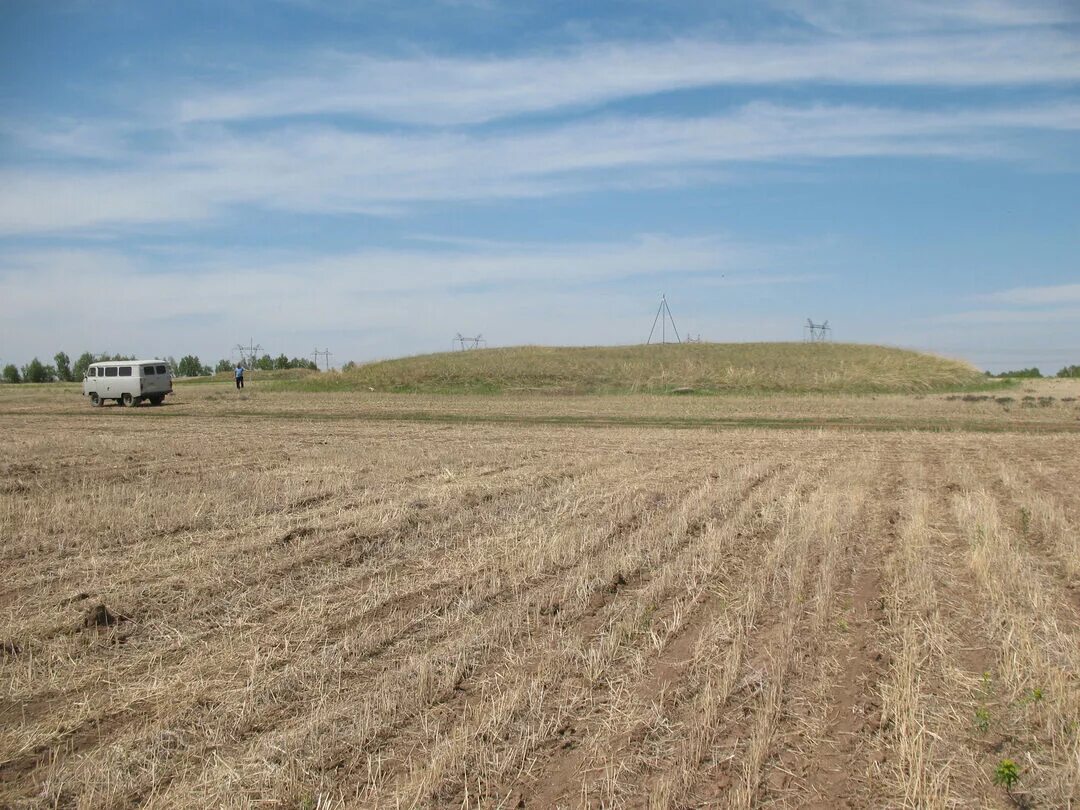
(1034, 696)
(1007, 774)
(982, 719)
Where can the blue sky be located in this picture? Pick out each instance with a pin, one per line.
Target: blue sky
(374, 177)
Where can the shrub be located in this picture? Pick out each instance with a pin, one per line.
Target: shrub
(1024, 372)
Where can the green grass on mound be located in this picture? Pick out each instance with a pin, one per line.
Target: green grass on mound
(685, 368)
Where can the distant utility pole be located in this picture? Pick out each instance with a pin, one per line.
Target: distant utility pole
(463, 343)
(663, 314)
(248, 354)
(325, 353)
(816, 332)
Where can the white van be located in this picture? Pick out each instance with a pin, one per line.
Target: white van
(129, 382)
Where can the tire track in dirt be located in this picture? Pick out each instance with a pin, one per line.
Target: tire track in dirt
(85, 736)
(1046, 527)
(834, 772)
(960, 649)
(418, 633)
(563, 770)
(585, 622)
(737, 770)
(1029, 690)
(668, 668)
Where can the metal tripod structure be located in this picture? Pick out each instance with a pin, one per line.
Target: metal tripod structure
(663, 315)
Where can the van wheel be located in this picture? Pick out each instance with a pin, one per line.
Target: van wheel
(95, 401)
(157, 400)
(128, 401)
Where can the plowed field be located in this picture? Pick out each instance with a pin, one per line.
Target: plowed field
(325, 613)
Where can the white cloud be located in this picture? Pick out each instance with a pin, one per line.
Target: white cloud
(442, 91)
(332, 169)
(862, 16)
(1034, 296)
(1011, 316)
(107, 299)
(32, 201)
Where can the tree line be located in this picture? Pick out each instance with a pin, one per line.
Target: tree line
(1034, 373)
(64, 370)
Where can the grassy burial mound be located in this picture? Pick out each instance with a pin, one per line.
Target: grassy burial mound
(699, 367)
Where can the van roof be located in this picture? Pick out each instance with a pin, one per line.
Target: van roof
(128, 362)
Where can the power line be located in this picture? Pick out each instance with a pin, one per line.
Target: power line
(325, 353)
(816, 332)
(463, 342)
(249, 353)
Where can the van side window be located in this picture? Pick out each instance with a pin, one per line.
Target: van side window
(161, 369)
(110, 371)
(125, 371)
(146, 370)
(91, 372)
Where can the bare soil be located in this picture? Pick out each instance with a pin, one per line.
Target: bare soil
(221, 610)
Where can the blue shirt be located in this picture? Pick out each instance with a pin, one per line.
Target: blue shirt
(239, 371)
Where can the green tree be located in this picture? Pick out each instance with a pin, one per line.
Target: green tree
(1069, 371)
(11, 373)
(223, 365)
(63, 367)
(78, 371)
(37, 372)
(190, 366)
(1024, 372)
(282, 362)
(265, 363)
(308, 364)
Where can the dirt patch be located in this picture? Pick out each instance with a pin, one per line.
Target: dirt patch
(843, 762)
(293, 535)
(616, 582)
(100, 616)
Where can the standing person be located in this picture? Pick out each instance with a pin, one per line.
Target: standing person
(240, 375)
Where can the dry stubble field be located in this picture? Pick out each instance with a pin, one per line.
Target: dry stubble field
(314, 608)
